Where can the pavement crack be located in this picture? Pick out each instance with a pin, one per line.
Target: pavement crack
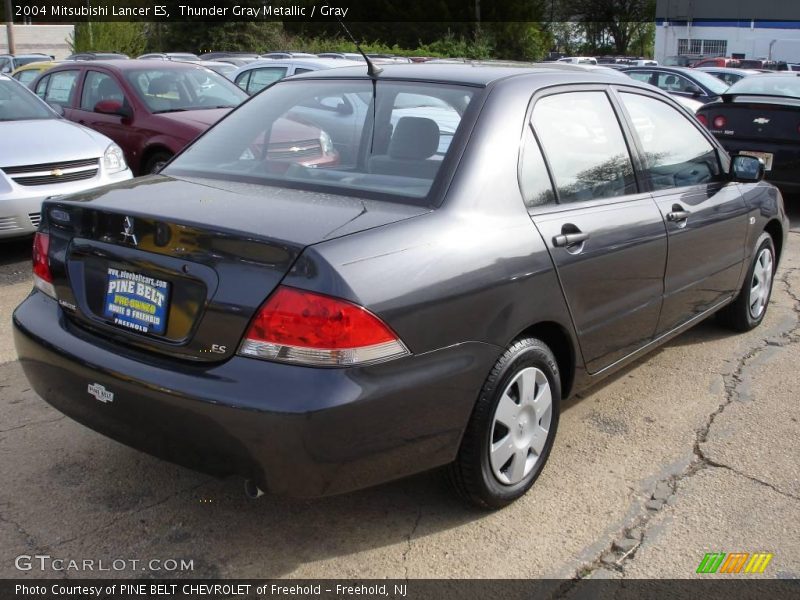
(624, 546)
(32, 423)
(409, 539)
(132, 513)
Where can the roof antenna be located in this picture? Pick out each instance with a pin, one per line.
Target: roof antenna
(372, 70)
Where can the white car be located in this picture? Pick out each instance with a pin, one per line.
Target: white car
(578, 60)
(43, 155)
(254, 77)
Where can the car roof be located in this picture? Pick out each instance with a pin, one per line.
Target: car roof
(472, 73)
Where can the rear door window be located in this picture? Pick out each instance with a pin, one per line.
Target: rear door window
(585, 148)
(61, 88)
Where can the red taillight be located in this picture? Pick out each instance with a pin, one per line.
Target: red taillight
(42, 278)
(703, 119)
(719, 122)
(305, 327)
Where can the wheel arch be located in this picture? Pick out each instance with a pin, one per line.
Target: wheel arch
(149, 151)
(775, 230)
(560, 342)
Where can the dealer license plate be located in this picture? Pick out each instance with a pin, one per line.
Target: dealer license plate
(136, 301)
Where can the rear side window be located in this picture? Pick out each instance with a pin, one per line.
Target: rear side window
(676, 153)
(584, 145)
(534, 182)
(61, 88)
(669, 82)
(640, 76)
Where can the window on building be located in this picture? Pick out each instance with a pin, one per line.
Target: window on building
(703, 47)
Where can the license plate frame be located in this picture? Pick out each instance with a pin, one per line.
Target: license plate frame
(136, 302)
(765, 156)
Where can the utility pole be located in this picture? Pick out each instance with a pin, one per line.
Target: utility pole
(10, 28)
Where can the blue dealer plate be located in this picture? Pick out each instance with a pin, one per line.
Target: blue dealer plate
(137, 302)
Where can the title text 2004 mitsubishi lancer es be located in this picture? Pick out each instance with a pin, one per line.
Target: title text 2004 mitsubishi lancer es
(482, 242)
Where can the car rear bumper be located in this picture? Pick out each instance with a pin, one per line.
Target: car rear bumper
(295, 430)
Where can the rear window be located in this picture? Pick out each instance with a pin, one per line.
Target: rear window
(770, 85)
(319, 134)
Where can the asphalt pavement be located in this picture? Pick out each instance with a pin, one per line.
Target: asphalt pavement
(693, 449)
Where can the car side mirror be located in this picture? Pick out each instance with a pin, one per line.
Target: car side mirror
(693, 90)
(56, 107)
(747, 168)
(112, 107)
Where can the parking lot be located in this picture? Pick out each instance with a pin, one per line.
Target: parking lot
(693, 449)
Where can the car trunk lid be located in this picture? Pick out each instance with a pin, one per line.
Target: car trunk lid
(178, 266)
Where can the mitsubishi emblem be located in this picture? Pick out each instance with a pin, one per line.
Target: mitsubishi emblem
(127, 231)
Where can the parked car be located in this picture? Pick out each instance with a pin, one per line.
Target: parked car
(760, 116)
(254, 77)
(98, 56)
(10, 62)
(346, 55)
(43, 155)
(26, 74)
(679, 81)
(682, 60)
(152, 109)
(237, 61)
(716, 61)
(578, 60)
(225, 69)
(320, 329)
(223, 54)
(182, 56)
(729, 75)
(287, 55)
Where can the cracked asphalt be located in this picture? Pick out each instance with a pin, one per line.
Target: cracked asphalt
(692, 449)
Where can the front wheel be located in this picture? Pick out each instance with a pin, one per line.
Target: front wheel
(512, 428)
(156, 162)
(749, 308)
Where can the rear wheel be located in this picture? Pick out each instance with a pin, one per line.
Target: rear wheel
(512, 428)
(155, 162)
(749, 308)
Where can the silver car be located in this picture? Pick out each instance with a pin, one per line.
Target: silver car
(43, 155)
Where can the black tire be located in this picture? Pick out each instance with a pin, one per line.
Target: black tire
(155, 161)
(471, 474)
(737, 315)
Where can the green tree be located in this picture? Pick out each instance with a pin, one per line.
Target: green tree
(127, 37)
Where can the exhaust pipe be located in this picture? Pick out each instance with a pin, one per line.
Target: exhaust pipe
(251, 490)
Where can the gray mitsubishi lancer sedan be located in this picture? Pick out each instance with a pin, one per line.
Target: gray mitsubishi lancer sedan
(481, 242)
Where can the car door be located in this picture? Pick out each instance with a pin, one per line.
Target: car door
(704, 213)
(606, 237)
(98, 86)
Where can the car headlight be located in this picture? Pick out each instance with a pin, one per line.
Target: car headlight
(326, 143)
(114, 159)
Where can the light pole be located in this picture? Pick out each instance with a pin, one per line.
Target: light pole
(10, 28)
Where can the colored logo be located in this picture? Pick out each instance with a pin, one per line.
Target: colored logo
(735, 562)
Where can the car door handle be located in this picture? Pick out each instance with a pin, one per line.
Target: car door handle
(569, 239)
(678, 215)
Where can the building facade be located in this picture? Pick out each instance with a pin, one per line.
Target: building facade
(767, 29)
